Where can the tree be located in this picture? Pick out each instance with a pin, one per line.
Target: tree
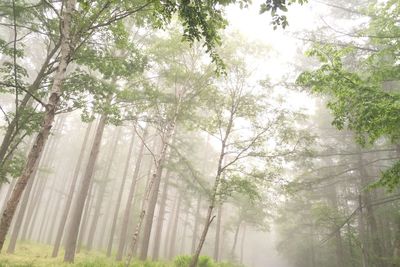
(236, 124)
(351, 88)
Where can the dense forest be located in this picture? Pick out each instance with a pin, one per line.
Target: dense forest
(215, 133)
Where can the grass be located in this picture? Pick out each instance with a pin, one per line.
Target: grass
(37, 255)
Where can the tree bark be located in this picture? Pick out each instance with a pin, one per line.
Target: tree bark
(82, 194)
(161, 217)
(217, 234)
(46, 125)
(183, 240)
(102, 190)
(68, 202)
(21, 213)
(154, 189)
(235, 238)
(119, 197)
(86, 216)
(370, 214)
(125, 220)
(242, 244)
(196, 224)
(172, 241)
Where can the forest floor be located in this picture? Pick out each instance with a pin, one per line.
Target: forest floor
(37, 255)
(32, 255)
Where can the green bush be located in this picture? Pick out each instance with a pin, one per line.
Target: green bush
(205, 261)
(182, 261)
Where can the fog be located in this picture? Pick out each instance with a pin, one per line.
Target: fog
(200, 133)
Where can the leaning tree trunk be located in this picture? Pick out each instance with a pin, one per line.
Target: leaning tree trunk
(68, 202)
(76, 217)
(125, 220)
(46, 125)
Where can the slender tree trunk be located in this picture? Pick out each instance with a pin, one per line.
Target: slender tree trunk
(82, 194)
(9, 191)
(183, 241)
(119, 198)
(125, 220)
(86, 216)
(370, 215)
(172, 241)
(54, 216)
(213, 195)
(18, 222)
(363, 239)
(102, 190)
(45, 216)
(161, 217)
(196, 224)
(218, 234)
(340, 257)
(68, 202)
(235, 238)
(169, 227)
(154, 190)
(46, 125)
(242, 244)
(36, 204)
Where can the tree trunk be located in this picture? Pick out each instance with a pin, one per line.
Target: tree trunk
(45, 215)
(82, 194)
(68, 202)
(217, 234)
(86, 216)
(370, 214)
(235, 238)
(172, 241)
(119, 197)
(196, 224)
(9, 191)
(161, 215)
(242, 244)
(125, 220)
(54, 216)
(183, 240)
(362, 234)
(169, 228)
(333, 199)
(154, 190)
(46, 125)
(20, 216)
(102, 191)
(213, 195)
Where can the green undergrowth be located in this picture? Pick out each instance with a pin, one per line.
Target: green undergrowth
(36, 255)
